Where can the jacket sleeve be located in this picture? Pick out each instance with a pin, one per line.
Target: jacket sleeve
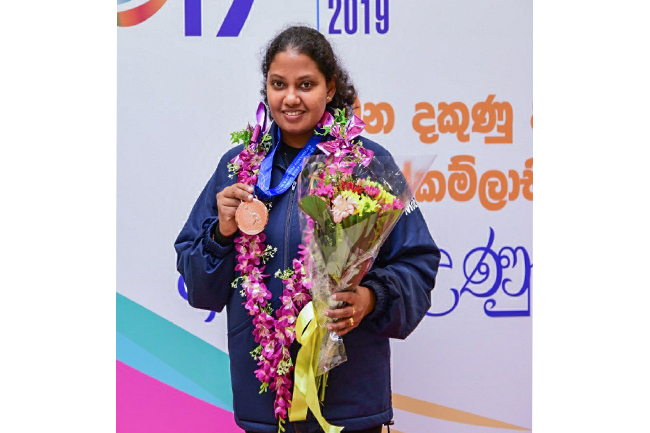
(402, 277)
(207, 267)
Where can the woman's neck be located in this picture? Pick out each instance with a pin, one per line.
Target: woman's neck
(296, 140)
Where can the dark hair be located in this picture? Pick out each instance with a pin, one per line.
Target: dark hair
(305, 40)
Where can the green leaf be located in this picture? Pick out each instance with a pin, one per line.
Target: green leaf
(241, 137)
(316, 207)
(339, 253)
(356, 219)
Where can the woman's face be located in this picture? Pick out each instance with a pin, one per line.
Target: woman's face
(297, 93)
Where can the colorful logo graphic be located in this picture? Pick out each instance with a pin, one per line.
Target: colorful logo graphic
(231, 26)
(138, 14)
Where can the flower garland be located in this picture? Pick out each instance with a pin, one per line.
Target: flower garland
(276, 334)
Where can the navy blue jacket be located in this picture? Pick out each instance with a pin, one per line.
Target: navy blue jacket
(358, 393)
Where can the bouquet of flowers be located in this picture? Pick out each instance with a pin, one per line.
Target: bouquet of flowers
(351, 201)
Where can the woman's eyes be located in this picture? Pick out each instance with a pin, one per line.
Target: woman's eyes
(304, 85)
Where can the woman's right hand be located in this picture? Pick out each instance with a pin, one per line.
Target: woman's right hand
(228, 200)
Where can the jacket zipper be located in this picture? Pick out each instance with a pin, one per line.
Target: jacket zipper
(287, 233)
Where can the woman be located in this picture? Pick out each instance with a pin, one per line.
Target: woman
(302, 79)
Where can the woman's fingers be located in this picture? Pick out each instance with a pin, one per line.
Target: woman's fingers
(238, 191)
(340, 313)
(228, 200)
(340, 326)
(348, 297)
(349, 319)
(241, 191)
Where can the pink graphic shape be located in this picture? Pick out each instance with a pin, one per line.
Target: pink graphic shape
(146, 405)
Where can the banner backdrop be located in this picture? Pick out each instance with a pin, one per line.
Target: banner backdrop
(450, 78)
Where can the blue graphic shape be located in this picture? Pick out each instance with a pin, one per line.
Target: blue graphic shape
(506, 262)
(483, 270)
(453, 306)
(445, 255)
(192, 17)
(235, 19)
(337, 11)
(119, 2)
(135, 356)
(181, 287)
(491, 264)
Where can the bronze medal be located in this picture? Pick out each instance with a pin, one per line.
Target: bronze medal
(251, 217)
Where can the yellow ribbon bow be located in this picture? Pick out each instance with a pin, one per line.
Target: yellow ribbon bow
(305, 391)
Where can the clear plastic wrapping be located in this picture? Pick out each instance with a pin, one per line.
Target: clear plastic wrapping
(346, 218)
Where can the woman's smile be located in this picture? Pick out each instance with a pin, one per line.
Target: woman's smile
(293, 115)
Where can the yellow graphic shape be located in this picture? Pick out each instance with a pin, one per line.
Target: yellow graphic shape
(432, 410)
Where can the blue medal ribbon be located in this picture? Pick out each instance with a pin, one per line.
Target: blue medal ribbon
(264, 178)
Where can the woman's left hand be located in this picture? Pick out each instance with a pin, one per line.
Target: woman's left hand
(360, 304)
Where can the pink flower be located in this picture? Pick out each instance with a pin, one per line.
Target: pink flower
(243, 177)
(282, 382)
(256, 160)
(303, 252)
(257, 275)
(288, 303)
(265, 372)
(263, 325)
(257, 292)
(246, 265)
(372, 191)
(269, 348)
(242, 249)
(281, 405)
(280, 337)
(298, 268)
(341, 208)
(264, 319)
(286, 321)
(252, 307)
(325, 191)
(301, 299)
(237, 159)
(261, 332)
